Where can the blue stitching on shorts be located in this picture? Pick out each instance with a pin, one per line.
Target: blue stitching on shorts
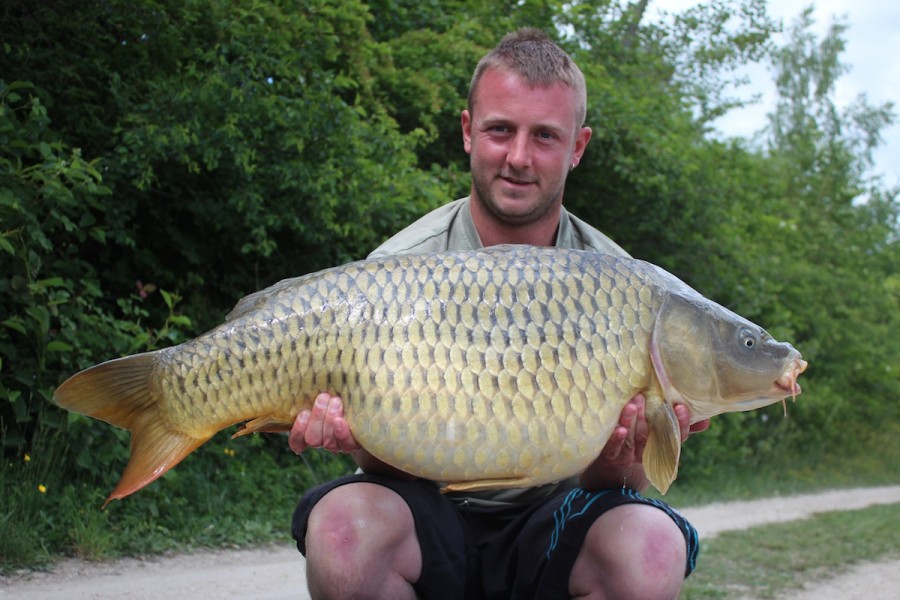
(564, 513)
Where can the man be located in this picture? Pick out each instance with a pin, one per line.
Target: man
(385, 534)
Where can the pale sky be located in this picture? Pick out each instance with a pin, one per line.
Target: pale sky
(872, 53)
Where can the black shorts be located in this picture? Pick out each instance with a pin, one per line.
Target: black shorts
(477, 552)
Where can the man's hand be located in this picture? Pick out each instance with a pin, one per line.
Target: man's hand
(619, 463)
(323, 427)
(625, 446)
(684, 418)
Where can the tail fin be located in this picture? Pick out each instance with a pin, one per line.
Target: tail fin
(119, 393)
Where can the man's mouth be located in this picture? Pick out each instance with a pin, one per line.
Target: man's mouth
(516, 180)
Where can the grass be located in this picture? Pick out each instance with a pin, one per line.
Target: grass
(764, 561)
(773, 559)
(230, 493)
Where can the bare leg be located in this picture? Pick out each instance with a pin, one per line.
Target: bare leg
(361, 543)
(634, 551)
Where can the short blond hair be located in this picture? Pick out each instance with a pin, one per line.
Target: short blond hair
(533, 56)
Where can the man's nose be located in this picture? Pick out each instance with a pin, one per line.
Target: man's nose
(519, 153)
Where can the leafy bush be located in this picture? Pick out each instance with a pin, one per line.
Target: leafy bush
(49, 207)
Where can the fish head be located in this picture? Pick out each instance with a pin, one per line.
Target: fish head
(716, 361)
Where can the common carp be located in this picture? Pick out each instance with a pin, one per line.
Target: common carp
(502, 367)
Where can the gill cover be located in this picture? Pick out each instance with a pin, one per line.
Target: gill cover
(714, 360)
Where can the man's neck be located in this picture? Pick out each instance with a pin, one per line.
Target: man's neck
(493, 232)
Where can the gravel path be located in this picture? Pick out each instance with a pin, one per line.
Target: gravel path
(273, 573)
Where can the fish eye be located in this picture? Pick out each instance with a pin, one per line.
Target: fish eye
(748, 338)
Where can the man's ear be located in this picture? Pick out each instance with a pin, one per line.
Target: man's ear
(466, 120)
(581, 141)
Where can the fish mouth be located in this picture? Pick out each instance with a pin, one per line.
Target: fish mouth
(788, 380)
(787, 383)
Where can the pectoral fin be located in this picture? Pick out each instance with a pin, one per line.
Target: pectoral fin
(663, 447)
(266, 424)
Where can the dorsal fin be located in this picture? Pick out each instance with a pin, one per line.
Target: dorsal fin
(251, 302)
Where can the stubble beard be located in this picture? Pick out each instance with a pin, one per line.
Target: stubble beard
(488, 199)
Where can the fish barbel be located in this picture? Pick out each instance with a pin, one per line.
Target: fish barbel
(502, 367)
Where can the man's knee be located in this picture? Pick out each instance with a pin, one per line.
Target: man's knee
(360, 536)
(343, 515)
(632, 551)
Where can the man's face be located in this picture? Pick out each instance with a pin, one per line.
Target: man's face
(522, 142)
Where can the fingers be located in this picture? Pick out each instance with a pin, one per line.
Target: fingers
(683, 414)
(320, 432)
(684, 420)
(323, 426)
(634, 418)
(629, 415)
(626, 443)
(700, 426)
(315, 429)
(297, 436)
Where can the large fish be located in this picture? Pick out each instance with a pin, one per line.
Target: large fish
(504, 367)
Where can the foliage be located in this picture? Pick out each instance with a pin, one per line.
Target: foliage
(816, 247)
(650, 176)
(161, 159)
(257, 113)
(49, 203)
(265, 140)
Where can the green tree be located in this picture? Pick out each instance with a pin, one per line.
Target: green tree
(651, 178)
(809, 248)
(246, 135)
(846, 252)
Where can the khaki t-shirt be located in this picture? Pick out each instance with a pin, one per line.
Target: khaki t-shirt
(450, 227)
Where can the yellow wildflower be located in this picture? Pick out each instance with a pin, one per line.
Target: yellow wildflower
(42, 488)
(27, 458)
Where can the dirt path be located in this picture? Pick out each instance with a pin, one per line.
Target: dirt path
(277, 572)
(870, 581)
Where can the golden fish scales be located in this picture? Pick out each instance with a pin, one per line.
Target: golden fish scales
(504, 367)
(455, 370)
